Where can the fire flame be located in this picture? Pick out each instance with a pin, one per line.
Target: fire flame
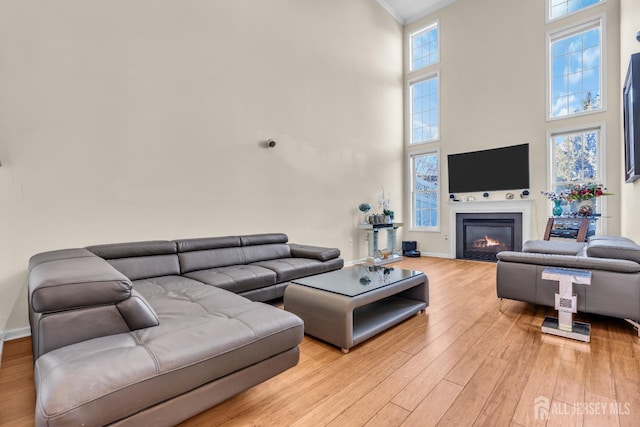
(491, 242)
(487, 242)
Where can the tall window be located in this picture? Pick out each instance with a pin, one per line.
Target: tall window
(425, 190)
(425, 124)
(424, 49)
(575, 158)
(575, 70)
(558, 8)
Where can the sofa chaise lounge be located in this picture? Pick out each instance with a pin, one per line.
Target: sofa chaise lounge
(614, 263)
(152, 333)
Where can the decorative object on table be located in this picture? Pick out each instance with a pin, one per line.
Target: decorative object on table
(509, 196)
(485, 195)
(557, 199)
(524, 194)
(383, 203)
(365, 281)
(557, 208)
(582, 196)
(378, 219)
(364, 208)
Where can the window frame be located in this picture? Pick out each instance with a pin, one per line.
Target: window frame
(423, 29)
(596, 21)
(412, 204)
(423, 78)
(549, 19)
(600, 127)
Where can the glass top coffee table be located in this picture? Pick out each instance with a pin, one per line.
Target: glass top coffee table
(348, 306)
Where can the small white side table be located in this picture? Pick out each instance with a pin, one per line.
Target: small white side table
(566, 304)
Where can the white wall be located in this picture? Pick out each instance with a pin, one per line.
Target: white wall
(129, 120)
(492, 91)
(629, 26)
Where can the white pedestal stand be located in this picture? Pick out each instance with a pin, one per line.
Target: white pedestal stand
(566, 304)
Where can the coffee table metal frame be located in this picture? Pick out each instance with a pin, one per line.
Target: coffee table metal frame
(346, 321)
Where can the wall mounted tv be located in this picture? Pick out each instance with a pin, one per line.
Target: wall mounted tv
(631, 115)
(504, 168)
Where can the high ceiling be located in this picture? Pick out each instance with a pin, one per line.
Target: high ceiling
(406, 11)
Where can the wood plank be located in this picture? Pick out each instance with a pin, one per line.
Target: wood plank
(541, 381)
(469, 403)
(564, 415)
(433, 407)
(390, 416)
(503, 401)
(423, 383)
(603, 411)
(571, 376)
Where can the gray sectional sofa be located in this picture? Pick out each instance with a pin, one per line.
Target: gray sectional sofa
(152, 333)
(614, 263)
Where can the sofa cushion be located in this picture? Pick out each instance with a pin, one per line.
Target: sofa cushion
(58, 255)
(552, 247)
(293, 268)
(263, 239)
(76, 282)
(614, 248)
(611, 238)
(204, 334)
(235, 278)
(138, 260)
(147, 266)
(133, 249)
(202, 243)
(266, 252)
(570, 261)
(211, 258)
(314, 252)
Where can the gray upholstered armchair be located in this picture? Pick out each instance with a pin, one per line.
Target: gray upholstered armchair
(613, 261)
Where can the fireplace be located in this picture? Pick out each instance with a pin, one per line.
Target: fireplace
(480, 236)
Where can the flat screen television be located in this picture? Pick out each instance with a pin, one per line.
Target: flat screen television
(631, 118)
(504, 168)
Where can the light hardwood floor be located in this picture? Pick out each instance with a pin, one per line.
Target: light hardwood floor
(470, 360)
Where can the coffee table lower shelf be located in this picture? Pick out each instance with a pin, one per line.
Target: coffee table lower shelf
(346, 321)
(371, 319)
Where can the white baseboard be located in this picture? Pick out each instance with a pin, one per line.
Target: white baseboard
(14, 334)
(434, 254)
(355, 262)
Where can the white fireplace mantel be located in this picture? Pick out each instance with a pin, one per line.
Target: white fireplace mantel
(522, 206)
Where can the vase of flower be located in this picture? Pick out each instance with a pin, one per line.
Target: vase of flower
(557, 209)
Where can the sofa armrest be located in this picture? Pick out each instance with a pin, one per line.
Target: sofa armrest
(570, 261)
(614, 248)
(65, 284)
(78, 298)
(313, 252)
(137, 312)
